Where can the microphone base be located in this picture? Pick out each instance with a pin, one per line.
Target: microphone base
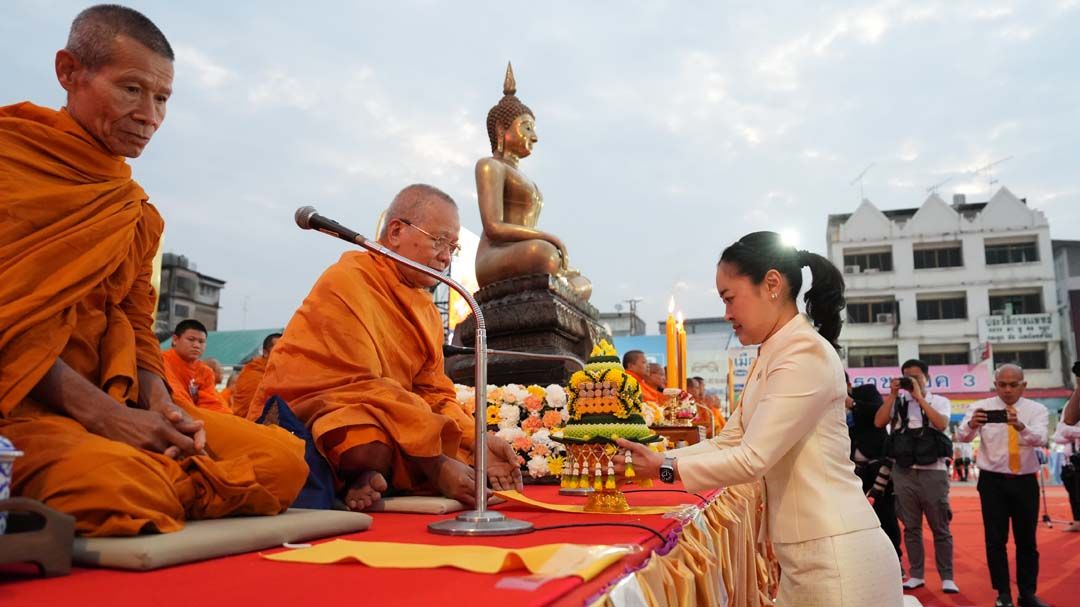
(576, 491)
(473, 523)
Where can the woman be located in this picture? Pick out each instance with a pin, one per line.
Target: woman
(791, 429)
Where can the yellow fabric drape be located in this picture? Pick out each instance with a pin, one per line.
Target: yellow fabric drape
(516, 496)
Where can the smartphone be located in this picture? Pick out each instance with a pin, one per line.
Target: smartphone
(997, 416)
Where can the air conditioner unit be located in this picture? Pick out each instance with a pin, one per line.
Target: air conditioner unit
(852, 269)
(885, 318)
(870, 271)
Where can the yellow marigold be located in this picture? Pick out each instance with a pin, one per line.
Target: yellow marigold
(555, 464)
(492, 415)
(536, 391)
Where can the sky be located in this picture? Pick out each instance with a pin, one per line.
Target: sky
(667, 130)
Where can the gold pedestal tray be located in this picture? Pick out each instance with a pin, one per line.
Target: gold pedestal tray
(607, 500)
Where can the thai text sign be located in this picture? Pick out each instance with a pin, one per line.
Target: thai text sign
(943, 378)
(1017, 328)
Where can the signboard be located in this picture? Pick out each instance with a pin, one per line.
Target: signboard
(710, 365)
(1018, 328)
(943, 378)
(742, 359)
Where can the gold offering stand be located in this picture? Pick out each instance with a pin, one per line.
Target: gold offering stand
(592, 468)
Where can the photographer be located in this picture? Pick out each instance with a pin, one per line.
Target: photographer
(920, 475)
(868, 454)
(1071, 413)
(1010, 428)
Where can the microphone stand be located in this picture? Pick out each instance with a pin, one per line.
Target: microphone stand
(449, 350)
(480, 521)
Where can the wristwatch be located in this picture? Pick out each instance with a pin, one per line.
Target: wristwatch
(667, 470)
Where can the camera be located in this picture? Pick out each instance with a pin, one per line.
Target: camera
(907, 384)
(997, 416)
(1076, 368)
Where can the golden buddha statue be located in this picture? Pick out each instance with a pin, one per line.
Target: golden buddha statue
(510, 203)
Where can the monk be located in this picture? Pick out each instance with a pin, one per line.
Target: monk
(637, 366)
(193, 382)
(82, 389)
(656, 377)
(243, 394)
(361, 364)
(230, 385)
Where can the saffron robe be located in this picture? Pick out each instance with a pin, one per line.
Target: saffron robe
(361, 361)
(77, 242)
(243, 392)
(193, 383)
(649, 394)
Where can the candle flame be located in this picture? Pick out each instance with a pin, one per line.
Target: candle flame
(679, 319)
(671, 305)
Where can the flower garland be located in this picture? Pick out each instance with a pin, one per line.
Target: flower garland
(525, 417)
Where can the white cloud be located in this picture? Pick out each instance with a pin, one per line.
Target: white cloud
(909, 151)
(1016, 33)
(208, 72)
(278, 88)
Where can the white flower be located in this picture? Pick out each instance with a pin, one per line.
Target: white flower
(565, 414)
(510, 413)
(510, 434)
(648, 414)
(543, 437)
(556, 396)
(515, 393)
(463, 393)
(538, 466)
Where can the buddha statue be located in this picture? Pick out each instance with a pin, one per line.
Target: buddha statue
(510, 203)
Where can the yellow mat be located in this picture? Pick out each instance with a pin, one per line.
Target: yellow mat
(549, 560)
(516, 496)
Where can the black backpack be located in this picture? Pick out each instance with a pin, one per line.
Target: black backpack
(922, 446)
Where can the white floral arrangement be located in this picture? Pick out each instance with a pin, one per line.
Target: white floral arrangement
(525, 417)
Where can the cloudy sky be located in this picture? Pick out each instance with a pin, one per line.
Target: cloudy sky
(667, 129)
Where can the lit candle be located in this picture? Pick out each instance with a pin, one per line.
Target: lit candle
(681, 351)
(672, 346)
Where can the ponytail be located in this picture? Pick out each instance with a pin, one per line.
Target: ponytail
(758, 252)
(825, 299)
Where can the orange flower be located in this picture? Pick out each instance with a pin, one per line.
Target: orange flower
(534, 403)
(532, 424)
(552, 419)
(522, 444)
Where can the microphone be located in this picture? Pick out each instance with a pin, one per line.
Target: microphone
(309, 219)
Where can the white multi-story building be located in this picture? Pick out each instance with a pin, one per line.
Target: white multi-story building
(940, 282)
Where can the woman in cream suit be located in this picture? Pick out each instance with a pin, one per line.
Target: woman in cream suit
(790, 429)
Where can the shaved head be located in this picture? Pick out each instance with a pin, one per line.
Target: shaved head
(413, 204)
(95, 29)
(1009, 369)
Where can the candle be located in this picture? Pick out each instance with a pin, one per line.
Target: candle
(681, 348)
(672, 346)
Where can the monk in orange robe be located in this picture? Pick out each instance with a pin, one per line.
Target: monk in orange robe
(361, 364)
(82, 392)
(637, 366)
(193, 382)
(250, 378)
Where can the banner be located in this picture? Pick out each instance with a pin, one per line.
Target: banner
(943, 378)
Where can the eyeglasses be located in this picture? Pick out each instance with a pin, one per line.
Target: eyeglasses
(440, 243)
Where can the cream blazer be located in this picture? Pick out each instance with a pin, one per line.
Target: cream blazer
(791, 430)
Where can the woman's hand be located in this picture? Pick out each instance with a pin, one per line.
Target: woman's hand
(646, 461)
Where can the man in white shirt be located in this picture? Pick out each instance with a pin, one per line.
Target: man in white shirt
(921, 489)
(1010, 430)
(1069, 437)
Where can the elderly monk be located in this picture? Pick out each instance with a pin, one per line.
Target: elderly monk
(656, 377)
(243, 393)
(81, 375)
(361, 364)
(637, 366)
(193, 381)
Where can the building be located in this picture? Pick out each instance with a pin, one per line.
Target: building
(705, 324)
(950, 284)
(622, 324)
(186, 293)
(1067, 272)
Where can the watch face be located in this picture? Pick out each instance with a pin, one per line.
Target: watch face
(667, 474)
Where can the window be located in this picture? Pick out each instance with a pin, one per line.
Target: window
(185, 285)
(945, 354)
(207, 290)
(182, 311)
(1012, 252)
(1018, 302)
(865, 312)
(941, 307)
(939, 256)
(880, 260)
(1030, 357)
(873, 357)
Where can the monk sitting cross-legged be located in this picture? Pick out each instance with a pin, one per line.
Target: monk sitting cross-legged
(243, 393)
(193, 381)
(361, 364)
(82, 392)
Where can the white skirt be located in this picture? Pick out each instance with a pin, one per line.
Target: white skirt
(854, 569)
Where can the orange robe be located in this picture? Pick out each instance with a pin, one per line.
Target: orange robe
(77, 242)
(193, 383)
(649, 394)
(243, 394)
(361, 361)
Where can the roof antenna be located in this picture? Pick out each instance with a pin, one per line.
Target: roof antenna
(859, 180)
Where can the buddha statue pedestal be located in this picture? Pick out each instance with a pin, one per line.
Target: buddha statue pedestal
(535, 313)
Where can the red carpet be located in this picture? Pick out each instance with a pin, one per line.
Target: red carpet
(1059, 556)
